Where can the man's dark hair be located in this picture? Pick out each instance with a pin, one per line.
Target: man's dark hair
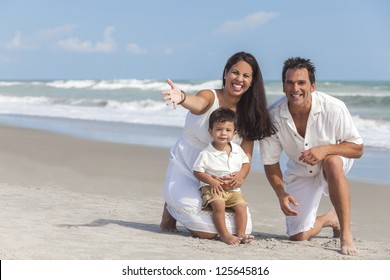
(298, 63)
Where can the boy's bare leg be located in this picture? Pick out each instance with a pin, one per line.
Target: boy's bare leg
(219, 221)
(240, 213)
(168, 223)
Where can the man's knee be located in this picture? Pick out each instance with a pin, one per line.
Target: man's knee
(332, 165)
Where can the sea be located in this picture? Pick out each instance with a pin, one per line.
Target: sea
(132, 111)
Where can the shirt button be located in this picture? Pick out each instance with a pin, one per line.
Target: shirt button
(311, 171)
(306, 144)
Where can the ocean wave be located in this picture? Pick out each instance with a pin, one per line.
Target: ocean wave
(117, 84)
(139, 101)
(375, 132)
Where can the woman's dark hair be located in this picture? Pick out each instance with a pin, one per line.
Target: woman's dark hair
(253, 121)
(222, 115)
(298, 63)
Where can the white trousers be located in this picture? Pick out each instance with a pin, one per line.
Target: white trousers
(308, 192)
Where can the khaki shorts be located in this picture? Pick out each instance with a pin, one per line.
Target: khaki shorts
(230, 198)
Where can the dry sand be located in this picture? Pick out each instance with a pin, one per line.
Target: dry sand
(69, 199)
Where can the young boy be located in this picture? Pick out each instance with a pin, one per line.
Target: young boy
(221, 158)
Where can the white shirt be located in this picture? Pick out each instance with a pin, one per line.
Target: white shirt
(218, 163)
(329, 122)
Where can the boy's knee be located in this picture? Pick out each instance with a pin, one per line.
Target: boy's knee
(218, 205)
(240, 207)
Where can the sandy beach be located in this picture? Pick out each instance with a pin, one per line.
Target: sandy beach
(64, 198)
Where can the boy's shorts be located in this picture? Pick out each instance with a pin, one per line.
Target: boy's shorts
(231, 198)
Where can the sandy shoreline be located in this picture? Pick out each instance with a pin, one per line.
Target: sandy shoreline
(68, 198)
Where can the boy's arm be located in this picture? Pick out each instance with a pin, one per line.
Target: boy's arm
(215, 184)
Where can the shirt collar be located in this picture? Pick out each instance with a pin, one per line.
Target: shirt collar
(315, 106)
(215, 152)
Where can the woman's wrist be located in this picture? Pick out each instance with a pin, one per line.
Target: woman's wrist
(183, 97)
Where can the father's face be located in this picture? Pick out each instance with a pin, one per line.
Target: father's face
(298, 88)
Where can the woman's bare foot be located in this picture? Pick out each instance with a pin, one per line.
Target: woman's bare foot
(168, 223)
(231, 239)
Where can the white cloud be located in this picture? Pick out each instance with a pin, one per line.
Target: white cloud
(38, 39)
(135, 49)
(58, 31)
(250, 21)
(76, 45)
(15, 43)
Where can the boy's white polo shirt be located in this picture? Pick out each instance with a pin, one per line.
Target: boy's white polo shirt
(218, 163)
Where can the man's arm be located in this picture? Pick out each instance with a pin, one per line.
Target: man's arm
(344, 149)
(275, 178)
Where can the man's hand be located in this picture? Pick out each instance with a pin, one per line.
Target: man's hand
(285, 202)
(314, 155)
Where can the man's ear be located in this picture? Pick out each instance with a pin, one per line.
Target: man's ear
(313, 87)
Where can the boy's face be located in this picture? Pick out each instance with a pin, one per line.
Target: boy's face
(223, 133)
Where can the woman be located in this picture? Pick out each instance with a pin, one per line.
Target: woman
(243, 92)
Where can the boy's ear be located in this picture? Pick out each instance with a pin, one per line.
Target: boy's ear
(210, 130)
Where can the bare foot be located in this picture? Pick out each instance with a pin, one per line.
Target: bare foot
(231, 239)
(168, 223)
(349, 250)
(347, 246)
(247, 238)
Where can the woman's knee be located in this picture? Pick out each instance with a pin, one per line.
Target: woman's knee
(203, 235)
(299, 237)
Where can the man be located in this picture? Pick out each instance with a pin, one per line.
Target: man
(318, 135)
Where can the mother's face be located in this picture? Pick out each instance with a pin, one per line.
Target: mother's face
(238, 79)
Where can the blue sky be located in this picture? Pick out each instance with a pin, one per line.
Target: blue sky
(145, 39)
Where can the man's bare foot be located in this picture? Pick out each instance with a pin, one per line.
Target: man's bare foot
(231, 239)
(168, 223)
(349, 250)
